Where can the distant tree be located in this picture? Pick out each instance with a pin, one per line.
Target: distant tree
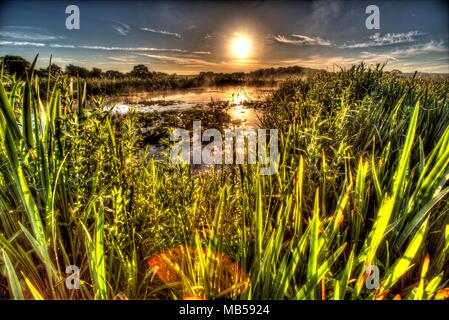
(396, 71)
(140, 71)
(42, 72)
(76, 71)
(95, 73)
(54, 69)
(15, 65)
(113, 74)
(238, 76)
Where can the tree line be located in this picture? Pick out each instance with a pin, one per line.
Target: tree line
(18, 66)
(141, 78)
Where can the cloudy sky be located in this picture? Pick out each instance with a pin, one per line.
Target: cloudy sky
(188, 37)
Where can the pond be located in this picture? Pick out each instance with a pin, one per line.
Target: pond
(241, 104)
(219, 108)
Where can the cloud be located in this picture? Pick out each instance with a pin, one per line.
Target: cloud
(201, 52)
(404, 59)
(415, 57)
(26, 33)
(22, 43)
(321, 62)
(377, 40)
(325, 13)
(121, 28)
(401, 54)
(371, 57)
(429, 47)
(102, 48)
(235, 65)
(123, 59)
(164, 32)
(217, 35)
(298, 39)
(67, 60)
(140, 49)
(180, 60)
(322, 10)
(55, 45)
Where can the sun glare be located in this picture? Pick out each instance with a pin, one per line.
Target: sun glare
(241, 47)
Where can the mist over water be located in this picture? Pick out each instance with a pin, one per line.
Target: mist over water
(237, 99)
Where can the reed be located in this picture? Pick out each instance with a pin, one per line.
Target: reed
(362, 182)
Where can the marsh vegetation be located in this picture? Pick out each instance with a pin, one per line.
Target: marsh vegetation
(362, 181)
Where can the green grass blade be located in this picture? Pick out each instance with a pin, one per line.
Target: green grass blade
(13, 280)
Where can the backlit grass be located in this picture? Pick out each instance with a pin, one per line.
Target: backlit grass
(362, 181)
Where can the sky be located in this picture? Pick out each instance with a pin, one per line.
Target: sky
(187, 37)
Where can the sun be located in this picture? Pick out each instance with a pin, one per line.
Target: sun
(241, 47)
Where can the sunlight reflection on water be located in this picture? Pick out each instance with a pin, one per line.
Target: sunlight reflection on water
(241, 115)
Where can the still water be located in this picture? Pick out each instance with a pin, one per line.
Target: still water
(240, 102)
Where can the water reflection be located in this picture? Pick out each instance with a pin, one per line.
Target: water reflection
(239, 107)
(240, 96)
(244, 117)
